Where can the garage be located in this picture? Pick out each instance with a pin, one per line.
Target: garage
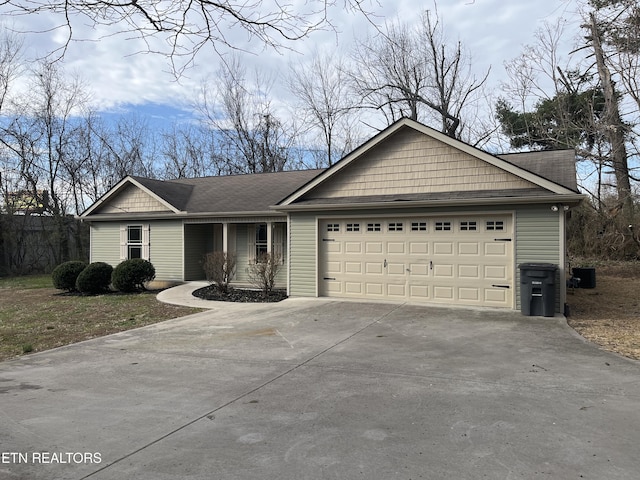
(465, 259)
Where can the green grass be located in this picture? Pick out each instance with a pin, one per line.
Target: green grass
(34, 316)
(27, 282)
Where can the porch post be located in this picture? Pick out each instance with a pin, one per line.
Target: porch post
(225, 237)
(269, 237)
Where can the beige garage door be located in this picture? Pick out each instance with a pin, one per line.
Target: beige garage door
(454, 260)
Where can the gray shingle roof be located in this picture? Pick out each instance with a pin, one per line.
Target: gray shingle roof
(231, 193)
(559, 166)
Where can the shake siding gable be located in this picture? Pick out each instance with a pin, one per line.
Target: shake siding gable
(132, 200)
(411, 162)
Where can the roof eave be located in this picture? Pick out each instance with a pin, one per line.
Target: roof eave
(570, 200)
(175, 216)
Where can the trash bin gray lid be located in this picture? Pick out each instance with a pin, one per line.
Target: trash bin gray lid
(538, 266)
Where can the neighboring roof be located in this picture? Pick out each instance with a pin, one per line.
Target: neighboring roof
(559, 166)
(527, 166)
(241, 194)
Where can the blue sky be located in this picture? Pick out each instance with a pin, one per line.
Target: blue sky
(122, 80)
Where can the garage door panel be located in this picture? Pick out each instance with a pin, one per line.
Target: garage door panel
(442, 293)
(461, 262)
(468, 248)
(468, 294)
(374, 268)
(353, 267)
(495, 249)
(419, 292)
(443, 270)
(469, 271)
(495, 272)
(373, 247)
(334, 267)
(443, 248)
(398, 291)
(396, 248)
(396, 269)
(418, 248)
(418, 270)
(353, 247)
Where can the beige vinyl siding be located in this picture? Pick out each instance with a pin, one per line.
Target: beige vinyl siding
(105, 242)
(538, 241)
(303, 254)
(132, 199)
(410, 162)
(165, 249)
(242, 252)
(198, 242)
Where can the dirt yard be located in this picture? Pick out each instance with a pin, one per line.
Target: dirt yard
(609, 315)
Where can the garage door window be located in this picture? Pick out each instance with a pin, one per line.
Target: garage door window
(353, 227)
(418, 226)
(495, 225)
(443, 226)
(333, 227)
(373, 227)
(468, 226)
(395, 226)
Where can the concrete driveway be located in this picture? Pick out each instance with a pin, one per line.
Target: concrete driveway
(319, 389)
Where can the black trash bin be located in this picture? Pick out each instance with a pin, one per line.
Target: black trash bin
(538, 289)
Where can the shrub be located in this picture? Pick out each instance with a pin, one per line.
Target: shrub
(95, 278)
(131, 275)
(64, 276)
(219, 268)
(263, 273)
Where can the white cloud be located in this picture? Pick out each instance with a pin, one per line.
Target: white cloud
(492, 30)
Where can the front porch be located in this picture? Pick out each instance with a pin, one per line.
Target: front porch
(247, 239)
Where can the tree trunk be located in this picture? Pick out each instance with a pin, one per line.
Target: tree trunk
(614, 129)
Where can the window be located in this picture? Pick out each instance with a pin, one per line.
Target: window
(333, 227)
(134, 241)
(261, 239)
(395, 226)
(443, 226)
(468, 226)
(258, 245)
(353, 227)
(373, 227)
(495, 225)
(418, 226)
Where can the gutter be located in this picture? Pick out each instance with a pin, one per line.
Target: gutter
(568, 200)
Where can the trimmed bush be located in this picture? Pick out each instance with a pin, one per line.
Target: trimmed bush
(131, 275)
(95, 278)
(64, 276)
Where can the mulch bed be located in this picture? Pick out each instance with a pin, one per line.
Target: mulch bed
(238, 295)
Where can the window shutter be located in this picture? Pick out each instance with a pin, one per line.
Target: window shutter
(146, 250)
(123, 243)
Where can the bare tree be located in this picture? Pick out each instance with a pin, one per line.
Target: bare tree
(321, 87)
(413, 73)
(253, 139)
(184, 27)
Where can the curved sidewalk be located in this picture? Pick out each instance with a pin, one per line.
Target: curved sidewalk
(183, 295)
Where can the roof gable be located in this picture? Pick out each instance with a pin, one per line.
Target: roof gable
(409, 158)
(131, 195)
